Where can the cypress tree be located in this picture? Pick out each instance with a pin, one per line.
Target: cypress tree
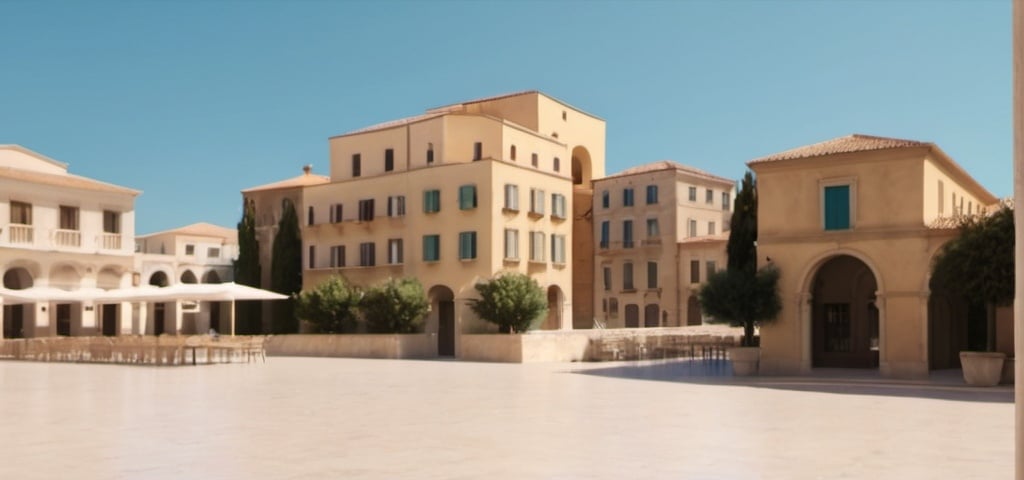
(286, 269)
(742, 246)
(247, 271)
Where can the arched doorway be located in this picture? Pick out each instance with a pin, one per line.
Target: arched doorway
(211, 277)
(582, 314)
(159, 279)
(442, 314)
(651, 312)
(693, 316)
(844, 317)
(632, 316)
(188, 277)
(14, 315)
(581, 167)
(553, 320)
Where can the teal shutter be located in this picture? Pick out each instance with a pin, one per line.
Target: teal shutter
(837, 207)
(467, 197)
(467, 245)
(431, 248)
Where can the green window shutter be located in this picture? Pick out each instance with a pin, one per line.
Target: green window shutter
(467, 245)
(467, 197)
(837, 207)
(431, 250)
(431, 201)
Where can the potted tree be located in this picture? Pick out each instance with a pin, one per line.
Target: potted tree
(742, 295)
(979, 266)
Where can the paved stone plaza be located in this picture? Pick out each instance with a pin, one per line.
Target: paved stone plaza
(346, 418)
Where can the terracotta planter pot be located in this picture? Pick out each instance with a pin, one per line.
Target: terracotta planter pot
(982, 369)
(745, 360)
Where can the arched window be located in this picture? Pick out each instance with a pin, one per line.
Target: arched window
(512, 153)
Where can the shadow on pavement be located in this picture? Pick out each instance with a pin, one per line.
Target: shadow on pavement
(941, 384)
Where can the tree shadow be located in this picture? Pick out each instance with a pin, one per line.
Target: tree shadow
(940, 385)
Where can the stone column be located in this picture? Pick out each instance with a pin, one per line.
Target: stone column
(1018, 201)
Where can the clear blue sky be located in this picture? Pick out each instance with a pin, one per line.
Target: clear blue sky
(193, 101)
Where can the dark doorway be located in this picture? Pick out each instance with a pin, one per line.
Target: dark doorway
(109, 319)
(651, 315)
(632, 316)
(64, 319)
(693, 311)
(158, 318)
(215, 316)
(14, 321)
(442, 301)
(844, 315)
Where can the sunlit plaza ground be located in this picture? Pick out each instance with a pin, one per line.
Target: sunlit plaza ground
(350, 418)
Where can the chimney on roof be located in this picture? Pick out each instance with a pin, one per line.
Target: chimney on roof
(307, 169)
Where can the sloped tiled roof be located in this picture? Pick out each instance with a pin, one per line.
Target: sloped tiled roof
(392, 124)
(304, 180)
(848, 144)
(66, 180)
(201, 229)
(444, 108)
(668, 165)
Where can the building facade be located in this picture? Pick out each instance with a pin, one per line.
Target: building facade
(660, 230)
(853, 225)
(63, 231)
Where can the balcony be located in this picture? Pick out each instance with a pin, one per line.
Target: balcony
(110, 241)
(20, 234)
(67, 238)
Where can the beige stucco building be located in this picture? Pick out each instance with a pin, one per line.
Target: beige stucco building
(67, 232)
(853, 224)
(453, 197)
(660, 229)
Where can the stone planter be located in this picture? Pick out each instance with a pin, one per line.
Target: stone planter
(982, 369)
(745, 360)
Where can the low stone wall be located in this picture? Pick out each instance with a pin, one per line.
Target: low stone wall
(416, 345)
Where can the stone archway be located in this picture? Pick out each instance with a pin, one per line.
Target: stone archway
(442, 319)
(211, 277)
(845, 330)
(582, 170)
(188, 277)
(15, 316)
(556, 301)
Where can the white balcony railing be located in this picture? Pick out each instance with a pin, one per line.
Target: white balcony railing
(67, 238)
(20, 234)
(110, 241)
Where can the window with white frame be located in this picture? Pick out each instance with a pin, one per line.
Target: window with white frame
(537, 246)
(652, 228)
(537, 201)
(396, 206)
(692, 228)
(511, 197)
(558, 205)
(558, 249)
(511, 244)
(692, 194)
(395, 251)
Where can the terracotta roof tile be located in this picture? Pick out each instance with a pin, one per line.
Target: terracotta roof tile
(66, 180)
(201, 229)
(669, 165)
(392, 124)
(850, 143)
(304, 180)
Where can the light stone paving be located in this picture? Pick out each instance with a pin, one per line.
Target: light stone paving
(297, 418)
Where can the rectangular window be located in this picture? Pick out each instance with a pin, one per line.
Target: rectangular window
(607, 275)
(837, 207)
(111, 221)
(511, 197)
(367, 254)
(389, 160)
(536, 246)
(512, 153)
(652, 194)
(652, 274)
(357, 165)
(336, 212)
(558, 249)
(533, 160)
(627, 234)
(338, 256)
(310, 215)
(652, 227)
(366, 210)
(709, 197)
(467, 245)
(627, 197)
(605, 233)
(212, 252)
(431, 201)
(431, 248)
(725, 201)
(711, 228)
(511, 244)
(478, 151)
(710, 268)
(627, 276)
(693, 194)
(694, 271)
(557, 205)
(396, 251)
(942, 197)
(605, 199)
(190, 249)
(692, 229)
(312, 257)
(537, 201)
(68, 218)
(21, 213)
(396, 206)
(430, 154)
(467, 197)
